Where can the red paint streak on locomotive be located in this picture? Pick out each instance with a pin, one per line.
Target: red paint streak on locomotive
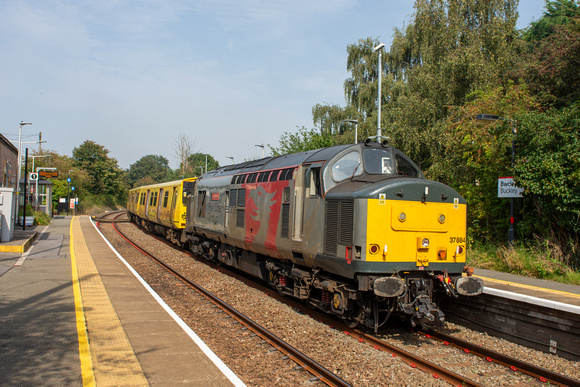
(269, 194)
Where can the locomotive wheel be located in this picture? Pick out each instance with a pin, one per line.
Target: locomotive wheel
(356, 317)
(272, 278)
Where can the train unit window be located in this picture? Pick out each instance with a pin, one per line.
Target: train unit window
(347, 166)
(187, 190)
(153, 199)
(165, 199)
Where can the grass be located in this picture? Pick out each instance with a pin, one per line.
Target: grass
(539, 261)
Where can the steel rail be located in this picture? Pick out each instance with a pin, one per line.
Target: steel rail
(304, 362)
(540, 373)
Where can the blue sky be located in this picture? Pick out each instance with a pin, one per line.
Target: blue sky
(135, 75)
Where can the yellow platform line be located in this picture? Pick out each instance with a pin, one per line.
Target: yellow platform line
(84, 350)
(531, 287)
(113, 360)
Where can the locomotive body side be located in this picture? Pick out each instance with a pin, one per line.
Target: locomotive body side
(355, 230)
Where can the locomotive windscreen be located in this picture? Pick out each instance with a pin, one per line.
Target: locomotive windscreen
(382, 162)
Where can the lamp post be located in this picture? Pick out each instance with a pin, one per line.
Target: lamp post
(379, 48)
(231, 157)
(491, 117)
(22, 123)
(261, 146)
(355, 122)
(201, 169)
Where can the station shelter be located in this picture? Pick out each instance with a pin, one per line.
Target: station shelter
(39, 195)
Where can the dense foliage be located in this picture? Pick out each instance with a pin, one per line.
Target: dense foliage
(451, 62)
(105, 179)
(149, 169)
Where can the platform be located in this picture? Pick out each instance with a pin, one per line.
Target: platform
(22, 240)
(531, 290)
(72, 313)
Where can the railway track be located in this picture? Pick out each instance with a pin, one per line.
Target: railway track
(511, 364)
(304, 362)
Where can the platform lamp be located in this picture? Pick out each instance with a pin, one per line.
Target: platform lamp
(491, 117)
(231, 157)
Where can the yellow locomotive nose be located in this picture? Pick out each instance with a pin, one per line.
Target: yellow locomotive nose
(419, 233)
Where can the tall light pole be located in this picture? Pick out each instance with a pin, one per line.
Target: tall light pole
(261, 146)
(231, 157)
(355, 122)
(201, 169)
(379, 48)
(22, 123)
(491, 117)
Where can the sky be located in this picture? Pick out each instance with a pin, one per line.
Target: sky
(134, 76)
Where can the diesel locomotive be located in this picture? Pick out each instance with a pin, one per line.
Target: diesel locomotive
(354, 230)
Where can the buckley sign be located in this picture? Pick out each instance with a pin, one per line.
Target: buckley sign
(506, 188)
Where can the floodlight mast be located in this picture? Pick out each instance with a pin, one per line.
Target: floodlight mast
(379, 48)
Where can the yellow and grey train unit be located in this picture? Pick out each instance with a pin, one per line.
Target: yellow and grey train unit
(161, 208)
(354, 230)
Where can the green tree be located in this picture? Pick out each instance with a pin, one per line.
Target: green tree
(557, 13)
(551, 66)
(106, 179)
(302, 141)
(448, 50)
(548, 167)
(151, 166)
(478, 152)
(198, 160)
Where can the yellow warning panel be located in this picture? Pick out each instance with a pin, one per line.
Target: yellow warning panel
(113, 359)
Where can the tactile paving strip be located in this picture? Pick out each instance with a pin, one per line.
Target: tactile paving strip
(114, 361)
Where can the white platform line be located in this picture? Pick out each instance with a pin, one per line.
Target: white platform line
(200, 343)
(26, 253)
(533, 300)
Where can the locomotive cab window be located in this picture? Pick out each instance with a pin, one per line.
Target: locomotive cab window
(378, 161)
(347, 166)
(405, 166)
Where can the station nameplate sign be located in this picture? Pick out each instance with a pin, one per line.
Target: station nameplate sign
(506, 188)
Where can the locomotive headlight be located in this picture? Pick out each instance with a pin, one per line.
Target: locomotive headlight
(425, 243)
(402, 217)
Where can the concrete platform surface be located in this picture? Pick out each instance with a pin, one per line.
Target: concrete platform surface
(73, 313)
